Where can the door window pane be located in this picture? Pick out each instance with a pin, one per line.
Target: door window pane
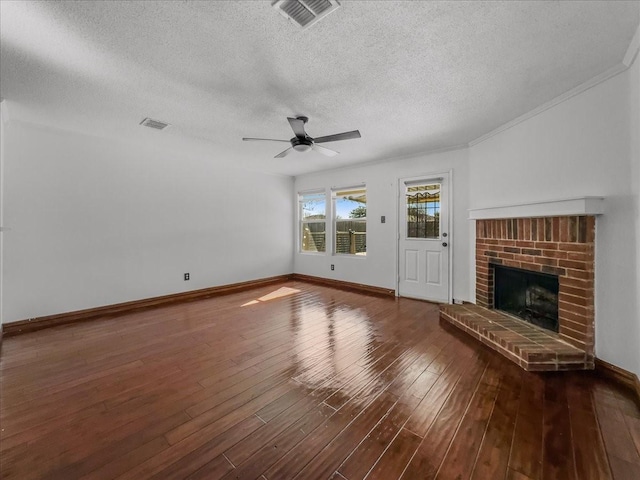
(423, 211)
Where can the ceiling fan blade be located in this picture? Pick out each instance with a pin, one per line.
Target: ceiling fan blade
(338, 136)
(297, 126)
(325, 151)
(246, 139)
(285, 153)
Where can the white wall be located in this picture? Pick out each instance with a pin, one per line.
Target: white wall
(2, 144)
(580, 147)
(634, 103)
(95, 222)
(378, 268)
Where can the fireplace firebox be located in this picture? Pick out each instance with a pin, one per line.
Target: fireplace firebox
(531, 296)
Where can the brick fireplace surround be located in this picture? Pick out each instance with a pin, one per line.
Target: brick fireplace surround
(559, 245)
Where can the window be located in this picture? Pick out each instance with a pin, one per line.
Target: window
(350, 225)
(313, 221)
(423, 210)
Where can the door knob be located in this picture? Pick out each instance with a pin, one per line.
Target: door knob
(444, 244)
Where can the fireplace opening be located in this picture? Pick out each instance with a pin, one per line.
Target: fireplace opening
(532, 296)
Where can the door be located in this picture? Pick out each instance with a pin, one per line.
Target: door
(423, 238)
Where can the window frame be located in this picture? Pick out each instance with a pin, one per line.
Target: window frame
(334, 220)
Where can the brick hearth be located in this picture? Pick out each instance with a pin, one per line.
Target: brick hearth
(562, 246)
(531, 347)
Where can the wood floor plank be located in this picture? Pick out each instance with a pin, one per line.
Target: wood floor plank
(493, 456)
(270, 451)
(200, 457)
(371, 448)
(526, 446)
(432, 450)
(557, 452)
(327, 461)
(394, 460)
(463, 450)
(296, 380)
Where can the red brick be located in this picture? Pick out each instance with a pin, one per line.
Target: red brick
(578, 292)
(524, 244)
(582, 274)
(525, 258)
(591, 229)
(553, 270)
(570, 307)
(575, 247)
(555, 236)
(553, 262)
(576, 265)
(579, 256)
(564, 229)
(483, 269)
(546, 245)
(540, 229)
(573, 229)
(574, 300)
(575, 282)
(573, 334)
(525, 234)
(531, 266)
(554, 254)
(577, 326)
(512, 263)
(548, 229)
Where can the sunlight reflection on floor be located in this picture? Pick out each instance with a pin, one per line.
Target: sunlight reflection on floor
(279, 293)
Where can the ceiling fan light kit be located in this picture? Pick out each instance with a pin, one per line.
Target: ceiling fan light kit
(304, 143)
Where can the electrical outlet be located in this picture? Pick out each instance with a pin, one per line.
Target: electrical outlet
(186, 277)
(332, 267)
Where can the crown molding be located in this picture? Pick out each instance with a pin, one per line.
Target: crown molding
(371, 163)
(627, 61)
(632, 51)
(598, 79)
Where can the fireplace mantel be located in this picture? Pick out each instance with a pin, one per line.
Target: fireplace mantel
(553, 208)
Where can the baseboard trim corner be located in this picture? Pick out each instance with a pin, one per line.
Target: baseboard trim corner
(619, 375)
(359, 287)
(39, 323)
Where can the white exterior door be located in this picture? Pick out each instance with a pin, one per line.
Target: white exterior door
(423, 240)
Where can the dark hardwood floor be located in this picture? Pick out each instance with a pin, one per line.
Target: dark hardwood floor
(299, 381)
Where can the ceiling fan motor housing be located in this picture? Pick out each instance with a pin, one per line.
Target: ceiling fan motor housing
(301, 144)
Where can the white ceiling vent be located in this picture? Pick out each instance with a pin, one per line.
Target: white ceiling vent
(157, 124)
(305, 13)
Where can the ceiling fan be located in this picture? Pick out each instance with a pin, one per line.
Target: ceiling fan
(303, 142)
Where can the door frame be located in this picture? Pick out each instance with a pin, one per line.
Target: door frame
(448, 175)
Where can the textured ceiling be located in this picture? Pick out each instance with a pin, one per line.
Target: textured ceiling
(411, 76)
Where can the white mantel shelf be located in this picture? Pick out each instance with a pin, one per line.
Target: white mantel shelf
(553, 208)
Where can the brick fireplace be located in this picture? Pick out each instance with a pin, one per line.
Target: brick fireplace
(562, 246)
(546, 239)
